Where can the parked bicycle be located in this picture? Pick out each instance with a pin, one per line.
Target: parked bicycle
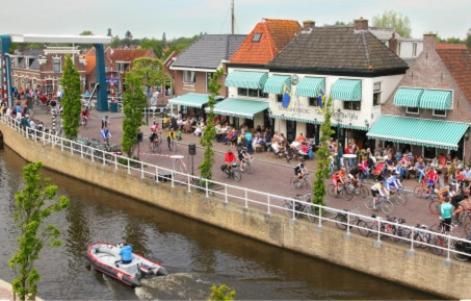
(301, 209)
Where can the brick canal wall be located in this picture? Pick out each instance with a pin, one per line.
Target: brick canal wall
(389, 261)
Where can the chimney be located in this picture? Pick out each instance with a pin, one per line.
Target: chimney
(309, 24)
(393, 43)
(361, 24)
(430, 41)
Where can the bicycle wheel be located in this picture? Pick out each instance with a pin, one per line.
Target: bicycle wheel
(364, 192)
(467, 225)
(310, 213)
(331, 191)
(363, 228)
(434, 207)
(399, 199)
(237, 175)
(347, 195)
(439, 242)
(298, 183)
(386, 206)
(341, 221)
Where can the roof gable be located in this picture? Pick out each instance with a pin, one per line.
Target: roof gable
(275, 35)
(338, 49)
(208, 51)
(457, 60)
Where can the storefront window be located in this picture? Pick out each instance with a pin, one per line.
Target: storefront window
(352, 105)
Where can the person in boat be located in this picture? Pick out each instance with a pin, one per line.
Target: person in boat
(125, 252)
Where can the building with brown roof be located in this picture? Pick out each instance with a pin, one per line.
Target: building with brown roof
(434, 97)
(117, 61)
(41, 69)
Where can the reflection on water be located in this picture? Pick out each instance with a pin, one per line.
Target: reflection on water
(196, 254)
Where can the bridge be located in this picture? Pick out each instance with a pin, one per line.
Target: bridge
(98, 42)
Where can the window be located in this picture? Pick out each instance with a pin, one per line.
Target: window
(189, 77)
(56, 65)
(251, 93)
(257, 37)
(439, 113)
(30, 62)
(352, 105)
(377, 94)
(414, 49)
(410, 110)
(279, 97)
(313, 101)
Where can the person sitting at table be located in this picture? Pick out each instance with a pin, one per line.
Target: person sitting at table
(300, 138)
(258, 143)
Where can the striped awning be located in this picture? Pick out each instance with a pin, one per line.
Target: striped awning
(236, 107)
(310, 86)
(436, 100)
(246, 79)
(275, 84)
(425, 132)
(346, 89)
(194, 100)
(407, 97)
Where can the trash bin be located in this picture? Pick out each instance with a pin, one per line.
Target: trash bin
(114, 107)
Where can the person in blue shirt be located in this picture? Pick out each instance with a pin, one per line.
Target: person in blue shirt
(126, 253)
(446, 213)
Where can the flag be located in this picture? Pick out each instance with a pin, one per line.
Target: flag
(319, 101)
(286, 97)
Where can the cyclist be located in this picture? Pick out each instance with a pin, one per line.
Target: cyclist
(354, 176)
(379, 189)
(392, 182)
(339, 178)
(84, 115)
(243, 156)
(300, 171)
(446, 213)
(154, 127)
(229, 160)
(432, 178)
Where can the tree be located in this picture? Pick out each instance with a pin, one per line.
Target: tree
(150, 72)
(221, 293)
(109, 33)
(134, 103)
(322, 170)
(153, 44)
(33, 204)
(86, 33)
(71, 102)
(128, 35)
(392, 19)
(468, 41)
(209, 133)
(164, 39)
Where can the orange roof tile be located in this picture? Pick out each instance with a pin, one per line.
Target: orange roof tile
(275, 35)
(450, 46)
(129, 55)
(458, 63)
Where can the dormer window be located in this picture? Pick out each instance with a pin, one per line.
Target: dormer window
(257, 37)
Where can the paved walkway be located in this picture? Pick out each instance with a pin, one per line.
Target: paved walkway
(6, 291)
(269, 174)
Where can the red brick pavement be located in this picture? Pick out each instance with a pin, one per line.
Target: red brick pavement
(269, 174)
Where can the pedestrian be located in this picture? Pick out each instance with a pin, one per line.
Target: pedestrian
(104, 122)
(248, 141)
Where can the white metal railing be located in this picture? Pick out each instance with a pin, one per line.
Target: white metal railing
(376, 227)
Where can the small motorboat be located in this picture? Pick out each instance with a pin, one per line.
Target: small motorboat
(106, 259)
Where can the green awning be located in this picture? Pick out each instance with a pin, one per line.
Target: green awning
(407, 97)
(246, 79)
(276, 83)
(346, 89)
(425, 132)
(310, 86)
(435, 100)
(236, 107)
(194, 100)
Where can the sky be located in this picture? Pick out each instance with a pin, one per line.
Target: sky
(150, 18)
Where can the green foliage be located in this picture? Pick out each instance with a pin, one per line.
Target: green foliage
(392, 19)
(86, 33)
(468, 41)
(150, 72)
(209, 133)
(71, 102)
(156, 45)
(322, 155)
(221, 293)
(33, 205)
(134, 102)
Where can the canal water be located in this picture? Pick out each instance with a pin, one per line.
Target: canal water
(197, 255)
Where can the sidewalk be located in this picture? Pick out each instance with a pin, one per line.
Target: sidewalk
(6, 291)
